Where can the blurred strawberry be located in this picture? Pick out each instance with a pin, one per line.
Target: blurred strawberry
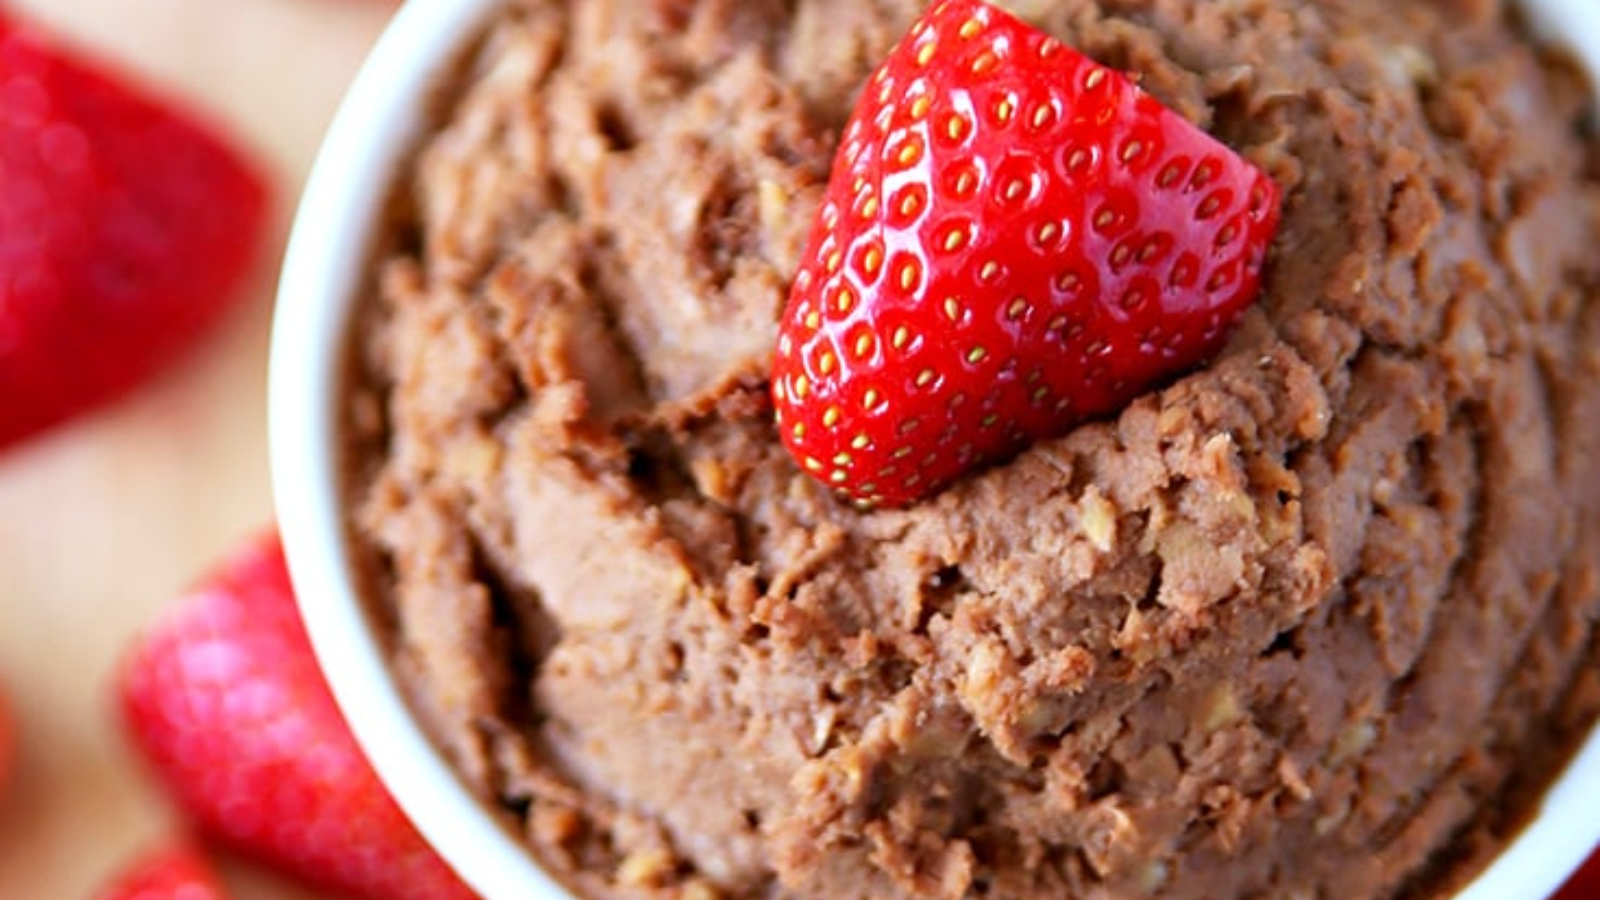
(224, 698)
(1585, 885)
(126, 228)
(171, 873)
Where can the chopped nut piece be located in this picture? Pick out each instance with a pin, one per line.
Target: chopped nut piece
(646, 868)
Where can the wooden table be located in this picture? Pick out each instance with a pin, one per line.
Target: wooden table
(106, 521)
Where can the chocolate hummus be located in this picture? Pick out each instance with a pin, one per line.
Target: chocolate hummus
(1311, 622)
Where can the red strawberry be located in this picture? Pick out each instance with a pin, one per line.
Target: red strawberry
(226, 701)
(1014, 238)
(125, 229)
(1585, 885)
(173, 873)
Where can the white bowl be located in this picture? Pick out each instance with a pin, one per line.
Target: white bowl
(326, 267)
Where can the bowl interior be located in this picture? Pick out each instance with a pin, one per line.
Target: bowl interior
(325, 270)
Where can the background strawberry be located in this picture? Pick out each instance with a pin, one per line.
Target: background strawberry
(171, 873)
(1585, 885)
(125, 229)
(226, 701)
(1013, 238)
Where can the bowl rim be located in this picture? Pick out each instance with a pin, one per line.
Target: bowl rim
(332, 241)
(334, 235)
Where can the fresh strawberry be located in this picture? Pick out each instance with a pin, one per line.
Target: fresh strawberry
(1585, 885)
(1014, 238)
(172, 873)
(225, 699)
(126, 227)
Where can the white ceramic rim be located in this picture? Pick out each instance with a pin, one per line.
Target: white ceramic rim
(325, 268)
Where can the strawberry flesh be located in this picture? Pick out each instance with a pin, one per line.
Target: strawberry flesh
(226, 702)
(1585, 884)
(1014, 238)
(178, 872)
(126, 229)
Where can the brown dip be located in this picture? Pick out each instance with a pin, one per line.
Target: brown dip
(1312, 622)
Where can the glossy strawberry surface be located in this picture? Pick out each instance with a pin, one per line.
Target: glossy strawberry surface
(1014, 238)
(226, 702)
(126, 228)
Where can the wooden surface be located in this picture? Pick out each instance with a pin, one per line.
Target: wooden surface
(106, 521)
